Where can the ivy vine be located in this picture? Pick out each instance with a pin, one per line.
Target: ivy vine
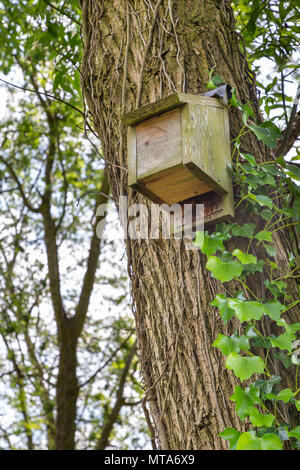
(270, 191)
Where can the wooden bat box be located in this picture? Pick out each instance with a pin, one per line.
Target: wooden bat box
(178, 150)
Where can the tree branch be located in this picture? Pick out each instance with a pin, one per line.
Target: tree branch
(60, 100)
(294, 134)
(21, 394)
(90, 379)
(44, 94)
(62, 12)
(120, 401)
(65, 187)
(92, 262)
(53, 265)
(292, 131)
(19, 185)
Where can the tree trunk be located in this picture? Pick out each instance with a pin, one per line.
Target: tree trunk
(135, 52)
(69, 331)
(67, 388)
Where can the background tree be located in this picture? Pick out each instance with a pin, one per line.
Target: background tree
(68, 362)
(136, 52)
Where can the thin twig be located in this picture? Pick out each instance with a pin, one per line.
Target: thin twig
(48, 95)
(62, 12)
(284, 143)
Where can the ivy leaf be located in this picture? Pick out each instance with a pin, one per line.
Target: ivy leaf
(267, 132)
(248, 441)
(244, 258)
(270, 442)
(273, 265)
(225, 344)
(246, 230)
(241, 342)
(232, 435)
(209, 244)
(253, 268)
(226, 313)
(224, 271)
(273, 309)
(246, 310)
(217, 79)
(285, 395)
(266, 214)
(260, 342)
(294, 171)
(283, 342)
(261, 200)
(286, 361)
(281, 431)
(264, 235)
(254, 181)
(270, 169)
(231, 344)
(296, 355)
(247, 111)
(244, 367)
(275, 287)
(225, 228)
(245, 399)
(250, 158)
(295, 432)
(210, 85)
(270, 249)
(293, 328)
(259, 419)
(269, 179)
(250, 332)
(266, 386)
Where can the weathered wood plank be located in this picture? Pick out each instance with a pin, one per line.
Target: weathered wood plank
(151, 110)
(177, 185)
(158, 143)
(201, 100)
(131, 151)
(205, 145)
(166, 104)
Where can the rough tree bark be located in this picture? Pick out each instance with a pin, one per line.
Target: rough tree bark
(135, 52)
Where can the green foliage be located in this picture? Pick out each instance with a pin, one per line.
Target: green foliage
(245, 399)
(226, 313)
(209, 244)
(270, 31)
(244, 367)
(42, 45)
(244, 258)
(44, 138)
(232, 344)
(246, 310)
(270, 195)
(249, 441)
(267, 132)
(224, 270)
(232, 435)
